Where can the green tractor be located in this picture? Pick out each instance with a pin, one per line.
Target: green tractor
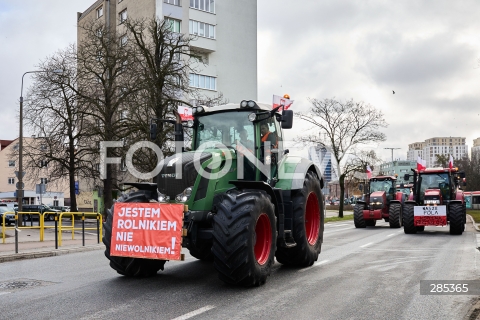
(247, 201)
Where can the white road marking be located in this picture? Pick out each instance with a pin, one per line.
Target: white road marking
(194, 313)
(366, 245)
(314, 265)
(390, 235)
(4, 293)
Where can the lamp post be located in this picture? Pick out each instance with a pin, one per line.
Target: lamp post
(20, 155)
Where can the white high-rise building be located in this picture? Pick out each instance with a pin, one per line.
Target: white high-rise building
(476, 146)
(444, 146)
(227, 38)
(323, 159)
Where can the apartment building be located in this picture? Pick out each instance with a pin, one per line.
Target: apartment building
(55, 192)
(445, 146)
(397, 167)
(476, 146)
(323, 159)
(226, 38)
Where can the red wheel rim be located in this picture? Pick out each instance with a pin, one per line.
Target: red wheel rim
(263, 235)
(312, 218)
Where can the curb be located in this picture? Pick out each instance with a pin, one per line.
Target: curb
(473, 222)
(43, 254)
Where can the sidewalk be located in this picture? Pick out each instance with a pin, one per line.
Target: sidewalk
(30, 246)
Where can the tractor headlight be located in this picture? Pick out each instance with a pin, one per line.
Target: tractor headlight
(196, 110)
(185, 195)
(252, 117)
(247, 104)
(432, 202)
(162, 197)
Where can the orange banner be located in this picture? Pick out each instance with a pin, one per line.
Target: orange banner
(147, 230)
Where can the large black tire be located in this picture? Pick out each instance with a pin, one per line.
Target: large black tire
(370, 222)
(408, 219)
(395, 215)
(244, 238)
(358, 219)
(202, 251)
(308, 225)
(130, 267)
(456, 218)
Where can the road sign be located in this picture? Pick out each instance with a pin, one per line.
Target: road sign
(40, 188)
(20, 186)
(23, 174)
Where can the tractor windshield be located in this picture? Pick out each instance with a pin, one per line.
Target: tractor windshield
(224, 129)
(384, 185)
(436, 181)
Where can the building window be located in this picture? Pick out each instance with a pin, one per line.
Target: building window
(11, 180)
(122, 16)
(100, 12)
(11, 163)
(203, 82)
(201, 29)
(43, 180)
(204, 5)
(174, 2)
(123, 40)
(175, 25)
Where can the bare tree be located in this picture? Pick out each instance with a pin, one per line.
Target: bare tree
(472, 171)
(356, 167)
(55, 117)
(345, 126)
(441, 160)
(108, 80)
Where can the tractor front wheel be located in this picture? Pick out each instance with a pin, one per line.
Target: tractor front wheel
(370, 222)
(408, 220)
(358, 219)
(130, 267)
(456, 218)
(395, 215)
(244, 238)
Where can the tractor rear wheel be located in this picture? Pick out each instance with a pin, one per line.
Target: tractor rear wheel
(308, 224)
(456, 218)
(358, 219)
(244, 238)
(130, 267)
(408, 220)
(370, 222)
(395, 215)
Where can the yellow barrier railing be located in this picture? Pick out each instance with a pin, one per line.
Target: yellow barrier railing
(60, 228)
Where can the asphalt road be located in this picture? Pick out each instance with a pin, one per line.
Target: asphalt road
(371, 273)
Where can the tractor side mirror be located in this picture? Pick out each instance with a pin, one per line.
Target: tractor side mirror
(287, 119)
(153, 131)
(402, 186)
(406, 177)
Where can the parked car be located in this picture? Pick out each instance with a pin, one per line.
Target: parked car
(41, 208)
(9, 217)
(61, 208)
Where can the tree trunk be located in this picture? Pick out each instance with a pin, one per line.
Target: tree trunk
(341, 181)
(73, 196)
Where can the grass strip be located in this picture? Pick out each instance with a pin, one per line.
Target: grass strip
(345, 218)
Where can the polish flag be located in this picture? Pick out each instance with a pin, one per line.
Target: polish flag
(450, 162)
(279, 101)
(185, 113)
(369, 172)
(421, 164)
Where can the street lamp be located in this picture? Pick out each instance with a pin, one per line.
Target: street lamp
(20, 152)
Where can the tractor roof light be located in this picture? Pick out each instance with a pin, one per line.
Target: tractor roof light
(248, 104)
(252, 117)
(197, 110)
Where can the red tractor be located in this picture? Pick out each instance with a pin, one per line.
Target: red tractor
(436, 200)
(382, 201)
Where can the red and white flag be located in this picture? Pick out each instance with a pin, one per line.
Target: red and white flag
(185, 113)
(421, 164)
(278, 101)
(369, 172)
(450, 162)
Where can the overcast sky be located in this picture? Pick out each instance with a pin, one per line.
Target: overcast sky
(427, 51)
